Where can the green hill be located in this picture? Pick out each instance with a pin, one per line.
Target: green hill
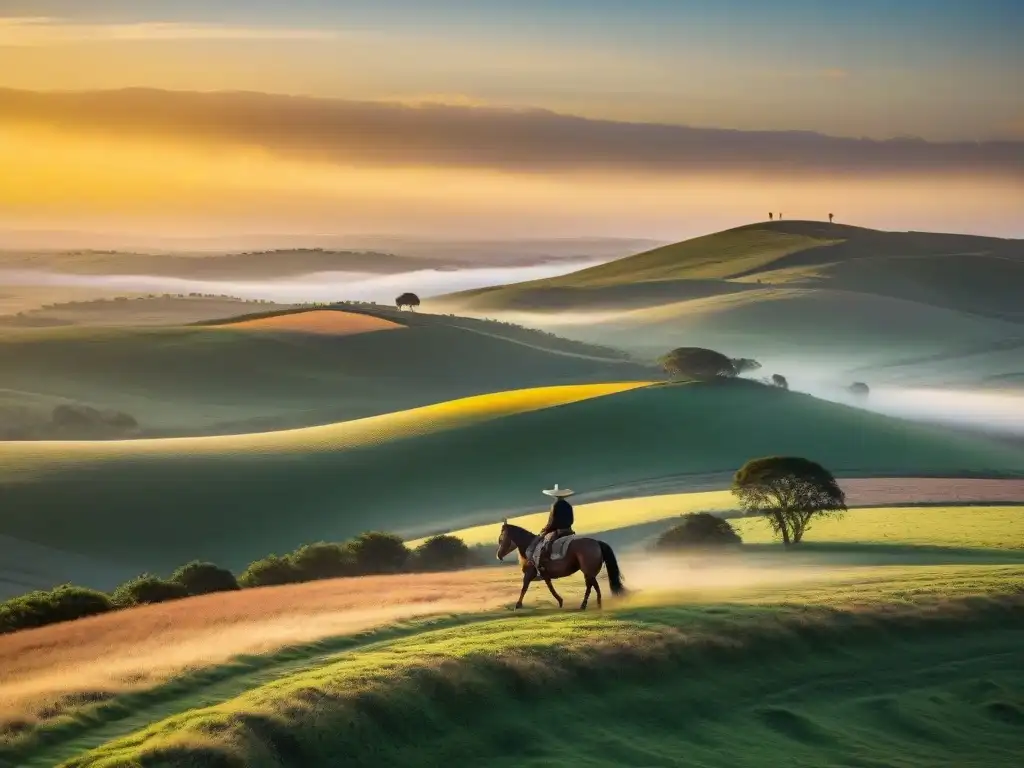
(215, 380)
(792, 290)
(157, 503)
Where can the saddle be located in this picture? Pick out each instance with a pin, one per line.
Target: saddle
(560, 542)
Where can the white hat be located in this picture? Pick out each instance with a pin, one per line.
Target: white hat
(559, 492)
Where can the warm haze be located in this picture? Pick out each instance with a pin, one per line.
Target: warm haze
(661, 121)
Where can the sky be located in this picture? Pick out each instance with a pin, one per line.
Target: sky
(561, 118)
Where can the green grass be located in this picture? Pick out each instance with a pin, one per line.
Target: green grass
(794, 293)
(900, 667)
(199, 380)
(235, 498)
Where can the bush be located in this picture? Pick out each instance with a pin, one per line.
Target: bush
(323, 561)
(268, 572)
(699, 530)
(63, 603)
(377, 552)
(147, 589)
(203, 578)
(443, 553)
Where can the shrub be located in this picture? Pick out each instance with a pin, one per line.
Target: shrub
(203, 578)
(443, 553)
(63, 603)
(699, 530)
(268, 572)
(323, 561)
(147, 589)
(377, 552)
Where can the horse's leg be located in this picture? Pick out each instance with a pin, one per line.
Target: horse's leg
(586, 595)
(597, 590)
(551, 587)
(528, 575)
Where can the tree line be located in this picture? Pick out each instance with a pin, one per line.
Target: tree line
(369, 553)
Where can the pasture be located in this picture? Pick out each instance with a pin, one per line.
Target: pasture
(793, 656)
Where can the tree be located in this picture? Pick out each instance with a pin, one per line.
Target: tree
(147, 589)
(858, 389)
(63, 603)
(407, 300)
(743, 364)
(323, 561)
(443, 553)
(778, 380)
(698, 530)
(697, 363)
(789, 492)
(268, 572)
(203, 578)
(377, 552)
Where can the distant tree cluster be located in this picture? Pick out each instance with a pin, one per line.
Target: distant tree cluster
(372, 552)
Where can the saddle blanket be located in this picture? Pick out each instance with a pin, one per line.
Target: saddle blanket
(558, 548)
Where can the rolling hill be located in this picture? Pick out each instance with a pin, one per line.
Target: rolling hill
(270, 371)
(788, 291)
(157, 503)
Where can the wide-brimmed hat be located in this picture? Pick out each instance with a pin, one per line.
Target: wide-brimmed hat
(561, 493)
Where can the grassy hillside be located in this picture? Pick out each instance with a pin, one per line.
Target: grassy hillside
(210, 380)
(900, 668)
(235, 498)
(790, 290)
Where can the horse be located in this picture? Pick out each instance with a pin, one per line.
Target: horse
(583, 554)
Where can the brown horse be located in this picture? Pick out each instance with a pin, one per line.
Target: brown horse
(585, 555)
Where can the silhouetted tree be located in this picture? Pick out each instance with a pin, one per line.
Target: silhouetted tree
(377, 552)
(770, 216)
(203, 578)
(789, 492)
(407, 300)
(830, 218)
(778, 380)
(743, 364)
(858, 389)
(697, 363)
(698, 530)
(443, 553)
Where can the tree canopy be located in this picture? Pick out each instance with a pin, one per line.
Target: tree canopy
(201, 578)
(697, 363)
(743, 364)
(779, 381)
(407, 300)
(859, 389)
(789, 492)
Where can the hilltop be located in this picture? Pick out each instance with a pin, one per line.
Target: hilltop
(251, 372)
(158, 503)
(790, 290)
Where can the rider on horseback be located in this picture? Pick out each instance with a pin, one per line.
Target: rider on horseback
(559, 524)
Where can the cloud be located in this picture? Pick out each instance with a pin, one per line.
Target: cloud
(381, 134)
(33, 31)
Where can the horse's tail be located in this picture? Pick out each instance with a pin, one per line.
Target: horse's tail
(614, 575)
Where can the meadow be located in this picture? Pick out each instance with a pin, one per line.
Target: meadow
(813, 666)
(462, 463)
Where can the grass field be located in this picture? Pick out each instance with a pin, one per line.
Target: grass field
(157, 503)
(794, 293)
(989, 525)
(878, 666)
(230, 379)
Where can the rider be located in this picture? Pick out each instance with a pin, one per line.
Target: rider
(559, 524)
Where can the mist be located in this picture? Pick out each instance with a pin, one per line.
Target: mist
(318, 287)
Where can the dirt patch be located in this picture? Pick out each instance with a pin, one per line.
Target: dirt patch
(885, 491)
(324, 322)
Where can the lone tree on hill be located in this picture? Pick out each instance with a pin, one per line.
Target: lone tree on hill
(789, 492)
(410, 300)
(699, 530)
(779, 381)
(858, 389)
(743, 364)
(697, 363)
